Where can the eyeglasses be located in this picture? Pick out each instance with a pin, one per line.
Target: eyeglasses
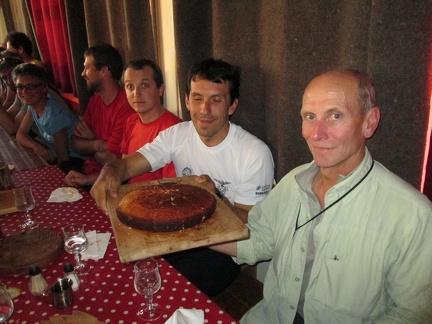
(28, 87)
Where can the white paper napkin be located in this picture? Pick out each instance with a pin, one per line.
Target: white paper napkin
(98, 243)
(63, 194)
(186, 316)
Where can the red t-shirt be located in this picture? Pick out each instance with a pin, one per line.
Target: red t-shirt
(136, 134)
(107, 123)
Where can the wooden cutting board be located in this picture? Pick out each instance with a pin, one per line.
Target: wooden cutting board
(76, 317)
(39, 246)
(7, 202)
(134, 244)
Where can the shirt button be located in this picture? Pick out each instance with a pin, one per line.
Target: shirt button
(302, 249)
(297, 279)
(292, 307)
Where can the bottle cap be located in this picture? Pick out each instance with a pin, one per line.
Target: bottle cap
(34, 270)
(68, 267)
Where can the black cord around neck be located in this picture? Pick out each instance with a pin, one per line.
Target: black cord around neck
(334, 203)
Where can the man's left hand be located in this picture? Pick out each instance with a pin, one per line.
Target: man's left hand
(207, 181)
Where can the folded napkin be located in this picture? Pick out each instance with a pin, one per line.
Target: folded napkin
(63, 194)
(98, 243)
(186, 316)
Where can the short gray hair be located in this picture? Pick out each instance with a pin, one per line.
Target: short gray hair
(366, 89)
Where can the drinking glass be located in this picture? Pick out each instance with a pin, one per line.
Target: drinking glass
(6, 304)
(24, 202)
(147, 281)
(75, 242)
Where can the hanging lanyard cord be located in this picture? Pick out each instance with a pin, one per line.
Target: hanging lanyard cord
(334, 203)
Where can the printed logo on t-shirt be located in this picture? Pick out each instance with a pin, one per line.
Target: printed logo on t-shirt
(221, 185)
(262, 190)
(186, 172)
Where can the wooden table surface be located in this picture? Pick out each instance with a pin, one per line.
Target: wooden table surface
(19, 157)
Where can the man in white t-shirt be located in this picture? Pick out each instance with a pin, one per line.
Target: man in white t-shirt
(238, 164)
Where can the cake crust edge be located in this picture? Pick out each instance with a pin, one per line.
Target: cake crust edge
(167, 226)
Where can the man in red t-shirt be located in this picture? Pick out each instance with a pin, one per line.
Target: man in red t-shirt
(144, 85)
(99, 133)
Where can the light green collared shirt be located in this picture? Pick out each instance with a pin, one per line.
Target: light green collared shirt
(373, 250)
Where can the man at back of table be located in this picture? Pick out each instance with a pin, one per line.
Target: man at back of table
(211, 146)
(98, 134)
(20, 43)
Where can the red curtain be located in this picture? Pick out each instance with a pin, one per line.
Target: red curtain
(52, 36)
(427, 188)
(428, 182)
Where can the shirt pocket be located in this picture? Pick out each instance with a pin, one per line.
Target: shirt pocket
(347, 273)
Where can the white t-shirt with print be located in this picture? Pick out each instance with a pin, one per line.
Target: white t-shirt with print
(241, 167)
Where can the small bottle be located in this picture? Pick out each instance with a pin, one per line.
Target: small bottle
(38, 284)
(70, 274)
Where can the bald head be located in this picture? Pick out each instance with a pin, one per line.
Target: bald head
(339, 114)
(354, 82)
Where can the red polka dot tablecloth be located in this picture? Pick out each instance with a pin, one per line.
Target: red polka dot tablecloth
(107, 292)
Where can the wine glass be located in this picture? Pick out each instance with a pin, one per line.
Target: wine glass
(147, 281)
(6, 304)
(24, 202)
(75, 242)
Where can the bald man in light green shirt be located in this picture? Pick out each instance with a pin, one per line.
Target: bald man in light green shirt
(350, 242)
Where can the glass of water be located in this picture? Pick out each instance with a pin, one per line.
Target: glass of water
(6, 304)
(75, 242)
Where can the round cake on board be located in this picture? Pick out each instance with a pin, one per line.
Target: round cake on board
(166, 207)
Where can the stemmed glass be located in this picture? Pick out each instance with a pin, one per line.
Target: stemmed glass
(75, 242)
(6, 304)
(24, 202)
(147, 281)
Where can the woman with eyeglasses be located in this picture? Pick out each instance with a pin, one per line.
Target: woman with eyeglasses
(53, 118)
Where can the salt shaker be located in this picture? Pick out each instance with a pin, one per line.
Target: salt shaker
(70, 274)
(38, 284)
